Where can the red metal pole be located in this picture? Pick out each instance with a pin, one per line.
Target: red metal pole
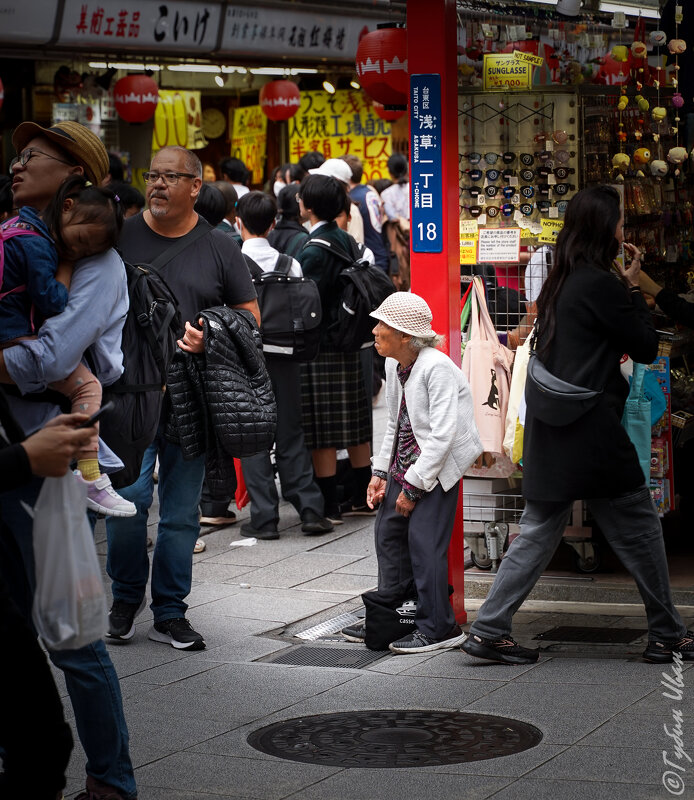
(432, 50)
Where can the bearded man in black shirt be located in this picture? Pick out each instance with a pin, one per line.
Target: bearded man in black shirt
(210, 273)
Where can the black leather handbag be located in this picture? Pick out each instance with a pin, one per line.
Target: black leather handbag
(554, 401)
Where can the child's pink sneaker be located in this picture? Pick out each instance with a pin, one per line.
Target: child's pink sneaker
(104, 499)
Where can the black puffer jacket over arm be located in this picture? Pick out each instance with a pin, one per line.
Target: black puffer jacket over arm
(222, 402)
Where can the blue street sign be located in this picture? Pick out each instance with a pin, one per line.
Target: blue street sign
(426, 154)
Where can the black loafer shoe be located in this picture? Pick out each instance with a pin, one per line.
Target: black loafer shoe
(267, 533)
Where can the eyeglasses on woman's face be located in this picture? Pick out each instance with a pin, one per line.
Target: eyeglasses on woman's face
(23, 158)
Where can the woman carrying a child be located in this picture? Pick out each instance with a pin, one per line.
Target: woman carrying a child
(37, 256)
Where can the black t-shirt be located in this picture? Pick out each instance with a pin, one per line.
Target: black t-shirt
(210, 272)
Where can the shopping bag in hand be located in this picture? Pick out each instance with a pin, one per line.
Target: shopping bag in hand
(69, 603)
(636, 420)
(487, 366)
(513, 435)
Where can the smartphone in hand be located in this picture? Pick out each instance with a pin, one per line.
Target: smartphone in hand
(88, 423)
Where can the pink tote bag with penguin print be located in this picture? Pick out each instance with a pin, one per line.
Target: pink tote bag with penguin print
(487, 365)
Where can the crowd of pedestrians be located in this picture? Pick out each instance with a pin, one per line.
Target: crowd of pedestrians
(211, 241)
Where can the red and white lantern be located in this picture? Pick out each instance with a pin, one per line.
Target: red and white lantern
(387, 114)
(382, 65)
(280, 99)
(136, 98)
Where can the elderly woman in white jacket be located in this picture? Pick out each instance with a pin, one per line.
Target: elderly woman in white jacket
(430, 441)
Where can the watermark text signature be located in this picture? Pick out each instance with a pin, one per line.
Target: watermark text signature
(675, 757)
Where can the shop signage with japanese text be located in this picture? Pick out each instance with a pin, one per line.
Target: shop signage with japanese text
(131, 25)
(468, 231)
(255, 30)
(178, 120)
(20, 22)
(426, 151)
(338, 124)
(550, 230)
(249, 139)
(499, 245)
(504, 71)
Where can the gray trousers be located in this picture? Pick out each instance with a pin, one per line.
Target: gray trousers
(630, 524)
(293, 460)
(417, 547)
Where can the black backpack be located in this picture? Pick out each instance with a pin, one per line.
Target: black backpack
(290, 313)
(150, 332)
(362, 287)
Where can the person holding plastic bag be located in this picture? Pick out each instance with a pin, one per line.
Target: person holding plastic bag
(93, 321)
(26, 673)
(430, 440)
(587, 319)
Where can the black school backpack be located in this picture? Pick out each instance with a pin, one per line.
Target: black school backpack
(150, 332)
(362, 287)
(290, 313)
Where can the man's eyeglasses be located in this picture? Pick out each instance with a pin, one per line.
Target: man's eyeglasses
(169, 178)
(23, 158)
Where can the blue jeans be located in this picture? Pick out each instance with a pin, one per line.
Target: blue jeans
(630, 524)
(90, 677)
(179, 486)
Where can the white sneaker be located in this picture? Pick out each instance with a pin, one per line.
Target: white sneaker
(104, 499)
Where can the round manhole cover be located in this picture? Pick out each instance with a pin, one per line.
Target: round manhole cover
(392, 739)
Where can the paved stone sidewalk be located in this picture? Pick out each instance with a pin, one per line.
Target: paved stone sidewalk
(600, 709)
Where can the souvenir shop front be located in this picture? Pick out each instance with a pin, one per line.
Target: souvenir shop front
(549, 103)
(264, 82)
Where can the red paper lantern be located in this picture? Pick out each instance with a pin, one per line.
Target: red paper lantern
(280, 99)
(136, 98)
(2, 93)
(385, 113)
(382, 65)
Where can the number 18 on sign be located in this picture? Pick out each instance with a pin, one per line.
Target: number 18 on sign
(426, 225)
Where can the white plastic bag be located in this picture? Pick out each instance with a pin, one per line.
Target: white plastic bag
(69, 604)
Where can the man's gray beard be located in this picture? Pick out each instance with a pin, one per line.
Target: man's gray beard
(158, 211)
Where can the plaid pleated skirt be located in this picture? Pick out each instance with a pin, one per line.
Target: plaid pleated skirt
(335, 409)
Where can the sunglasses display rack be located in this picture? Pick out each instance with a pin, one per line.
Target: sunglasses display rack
(517, 163)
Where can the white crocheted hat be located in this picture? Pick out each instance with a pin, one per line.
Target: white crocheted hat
(406, 312)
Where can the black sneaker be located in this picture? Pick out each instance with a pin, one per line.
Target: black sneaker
(348, 510)
(355, 633)
(505, 650)
(662, 652)
(417, 642)
(332, 514)
(313, 523)
(121, 619)
(178, 633)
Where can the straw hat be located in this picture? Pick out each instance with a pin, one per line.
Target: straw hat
(406, 312)
(78, 141)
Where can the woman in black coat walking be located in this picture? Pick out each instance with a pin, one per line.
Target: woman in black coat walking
(587, 319)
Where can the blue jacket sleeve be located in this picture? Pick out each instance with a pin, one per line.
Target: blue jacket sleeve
(48, 295)
(96, 306)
